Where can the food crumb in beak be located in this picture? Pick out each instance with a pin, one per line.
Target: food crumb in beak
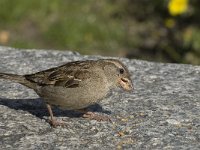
(126, 84)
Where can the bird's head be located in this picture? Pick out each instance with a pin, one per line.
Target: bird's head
(117, 74)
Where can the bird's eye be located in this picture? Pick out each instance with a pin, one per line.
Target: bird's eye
(121, 71)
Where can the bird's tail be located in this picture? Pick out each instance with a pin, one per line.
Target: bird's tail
(18, 79)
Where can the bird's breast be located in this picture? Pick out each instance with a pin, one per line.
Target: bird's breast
(73, 98)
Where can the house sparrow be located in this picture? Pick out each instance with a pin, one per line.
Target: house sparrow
(76, 85)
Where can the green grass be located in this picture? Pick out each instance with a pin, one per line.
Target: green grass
(87, 25)
(108, 27)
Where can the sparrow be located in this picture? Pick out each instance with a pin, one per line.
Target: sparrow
(76, 85)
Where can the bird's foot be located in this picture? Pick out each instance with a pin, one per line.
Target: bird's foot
(94, 116)
(55, 123)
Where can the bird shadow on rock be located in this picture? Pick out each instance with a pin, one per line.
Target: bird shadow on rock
(38, 108)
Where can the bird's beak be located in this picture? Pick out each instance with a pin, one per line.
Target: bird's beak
(126, 84)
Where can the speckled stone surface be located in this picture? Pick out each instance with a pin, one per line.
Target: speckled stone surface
(163, 112)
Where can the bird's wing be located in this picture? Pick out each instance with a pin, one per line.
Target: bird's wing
(69, 75)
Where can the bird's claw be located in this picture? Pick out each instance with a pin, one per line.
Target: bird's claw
(94, 116)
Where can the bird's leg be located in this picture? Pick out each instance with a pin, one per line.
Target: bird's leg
(52, 121)
(93, 116)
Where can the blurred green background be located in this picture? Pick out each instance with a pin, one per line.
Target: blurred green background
(158, 30)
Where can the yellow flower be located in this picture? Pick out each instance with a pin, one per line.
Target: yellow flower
(177, 7)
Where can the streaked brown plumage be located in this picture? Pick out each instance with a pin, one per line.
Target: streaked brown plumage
(76, 85)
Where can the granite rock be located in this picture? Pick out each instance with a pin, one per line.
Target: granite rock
(163, 112)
